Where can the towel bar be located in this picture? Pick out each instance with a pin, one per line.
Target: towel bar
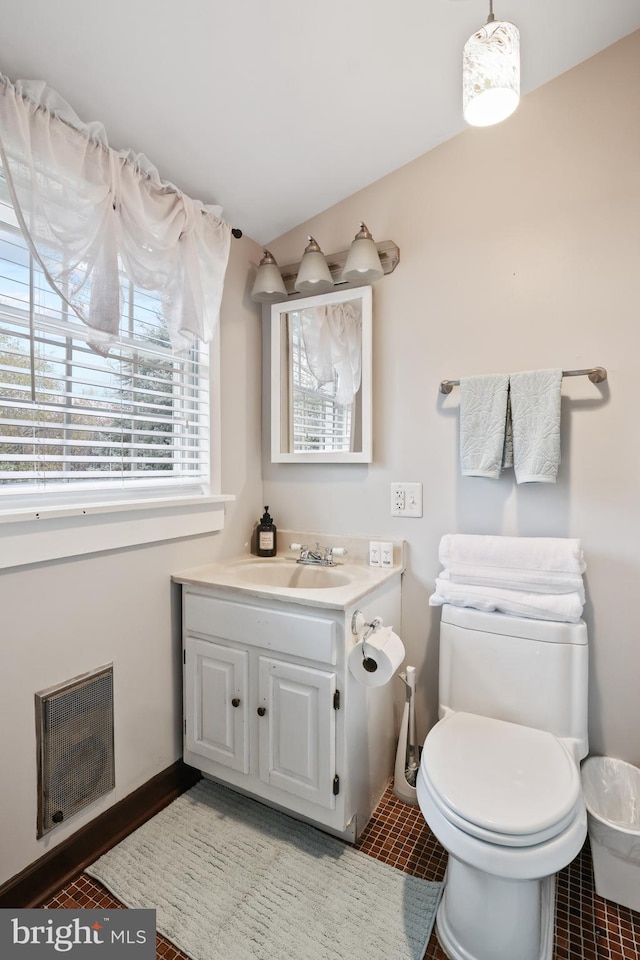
(595, 374)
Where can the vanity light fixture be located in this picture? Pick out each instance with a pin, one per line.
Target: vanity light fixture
(363, 263)
(491, 72)
(268, 287)
(313, 275)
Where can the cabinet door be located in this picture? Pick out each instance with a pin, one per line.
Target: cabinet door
(297, 733)
(216, 703)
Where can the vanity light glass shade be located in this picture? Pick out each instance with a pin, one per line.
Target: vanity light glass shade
(313, 275)
(363, 263)
(268, 287)
(491, 73)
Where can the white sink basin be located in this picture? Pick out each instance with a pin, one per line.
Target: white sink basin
(281, 579)
(291, 575)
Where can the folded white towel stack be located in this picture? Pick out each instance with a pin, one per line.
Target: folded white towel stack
(538, 577)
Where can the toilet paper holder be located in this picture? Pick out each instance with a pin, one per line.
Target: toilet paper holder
(363, 630)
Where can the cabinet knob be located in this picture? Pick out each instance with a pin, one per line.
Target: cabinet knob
(262, 711)
(235, 702)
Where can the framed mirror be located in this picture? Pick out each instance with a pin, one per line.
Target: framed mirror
(321, 378)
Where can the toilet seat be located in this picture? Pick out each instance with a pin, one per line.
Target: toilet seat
(501, 782)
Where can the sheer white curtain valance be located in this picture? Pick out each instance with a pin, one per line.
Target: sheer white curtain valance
(332, 336)
(91, 214)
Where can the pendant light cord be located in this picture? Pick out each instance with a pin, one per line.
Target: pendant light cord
(491, 17)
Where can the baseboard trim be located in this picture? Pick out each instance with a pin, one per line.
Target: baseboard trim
(42, 879)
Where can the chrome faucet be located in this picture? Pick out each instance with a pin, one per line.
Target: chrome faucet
(307, 555)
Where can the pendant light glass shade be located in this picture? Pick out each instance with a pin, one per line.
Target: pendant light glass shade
(268, 286)
(363, 263)
(491, 73)
(313, 274)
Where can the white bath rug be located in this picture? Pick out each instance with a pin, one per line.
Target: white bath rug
(233, 879)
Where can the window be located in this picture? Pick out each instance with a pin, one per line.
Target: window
(133, 423)
(318, 422)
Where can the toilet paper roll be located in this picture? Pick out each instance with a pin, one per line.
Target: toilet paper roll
(374, 661)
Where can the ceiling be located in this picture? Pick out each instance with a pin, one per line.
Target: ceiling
(277, 109)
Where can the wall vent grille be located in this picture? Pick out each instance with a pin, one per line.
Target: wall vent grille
(74, 726)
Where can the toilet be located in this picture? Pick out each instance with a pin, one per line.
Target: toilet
(499, 779)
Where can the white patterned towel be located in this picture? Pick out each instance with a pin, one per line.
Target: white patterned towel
(483, 419)
(535, 411)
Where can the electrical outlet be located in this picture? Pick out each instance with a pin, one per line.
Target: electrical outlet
(406, 499)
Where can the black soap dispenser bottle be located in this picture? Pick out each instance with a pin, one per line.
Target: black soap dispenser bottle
(266, 543)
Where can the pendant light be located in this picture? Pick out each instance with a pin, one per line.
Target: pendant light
(313, 275)
(363, 263)
(268, 285)
(491, 72)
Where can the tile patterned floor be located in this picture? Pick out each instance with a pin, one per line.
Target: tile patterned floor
(587, 927)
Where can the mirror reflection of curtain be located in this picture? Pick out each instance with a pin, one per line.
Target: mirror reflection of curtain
(319, 356)
(332, 336)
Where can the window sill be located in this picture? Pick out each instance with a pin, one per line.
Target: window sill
(60, 531)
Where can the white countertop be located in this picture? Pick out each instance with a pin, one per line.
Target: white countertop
(227, 574)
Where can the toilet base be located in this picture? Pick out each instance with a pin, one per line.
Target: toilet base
(483, 917)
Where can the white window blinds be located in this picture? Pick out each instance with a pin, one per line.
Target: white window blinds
(71, 418)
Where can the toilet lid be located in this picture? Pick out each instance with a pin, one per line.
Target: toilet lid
(502, 777)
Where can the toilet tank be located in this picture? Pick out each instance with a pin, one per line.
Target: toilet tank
(532, 672)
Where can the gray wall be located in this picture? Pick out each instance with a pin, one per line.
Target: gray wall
(63, 618)
(520, 249)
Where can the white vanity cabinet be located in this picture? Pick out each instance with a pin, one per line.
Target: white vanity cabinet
(296, 709)
(271, 709)
(297, 732)
(217, 698)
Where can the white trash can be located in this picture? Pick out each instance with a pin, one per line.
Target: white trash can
(612, 796)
